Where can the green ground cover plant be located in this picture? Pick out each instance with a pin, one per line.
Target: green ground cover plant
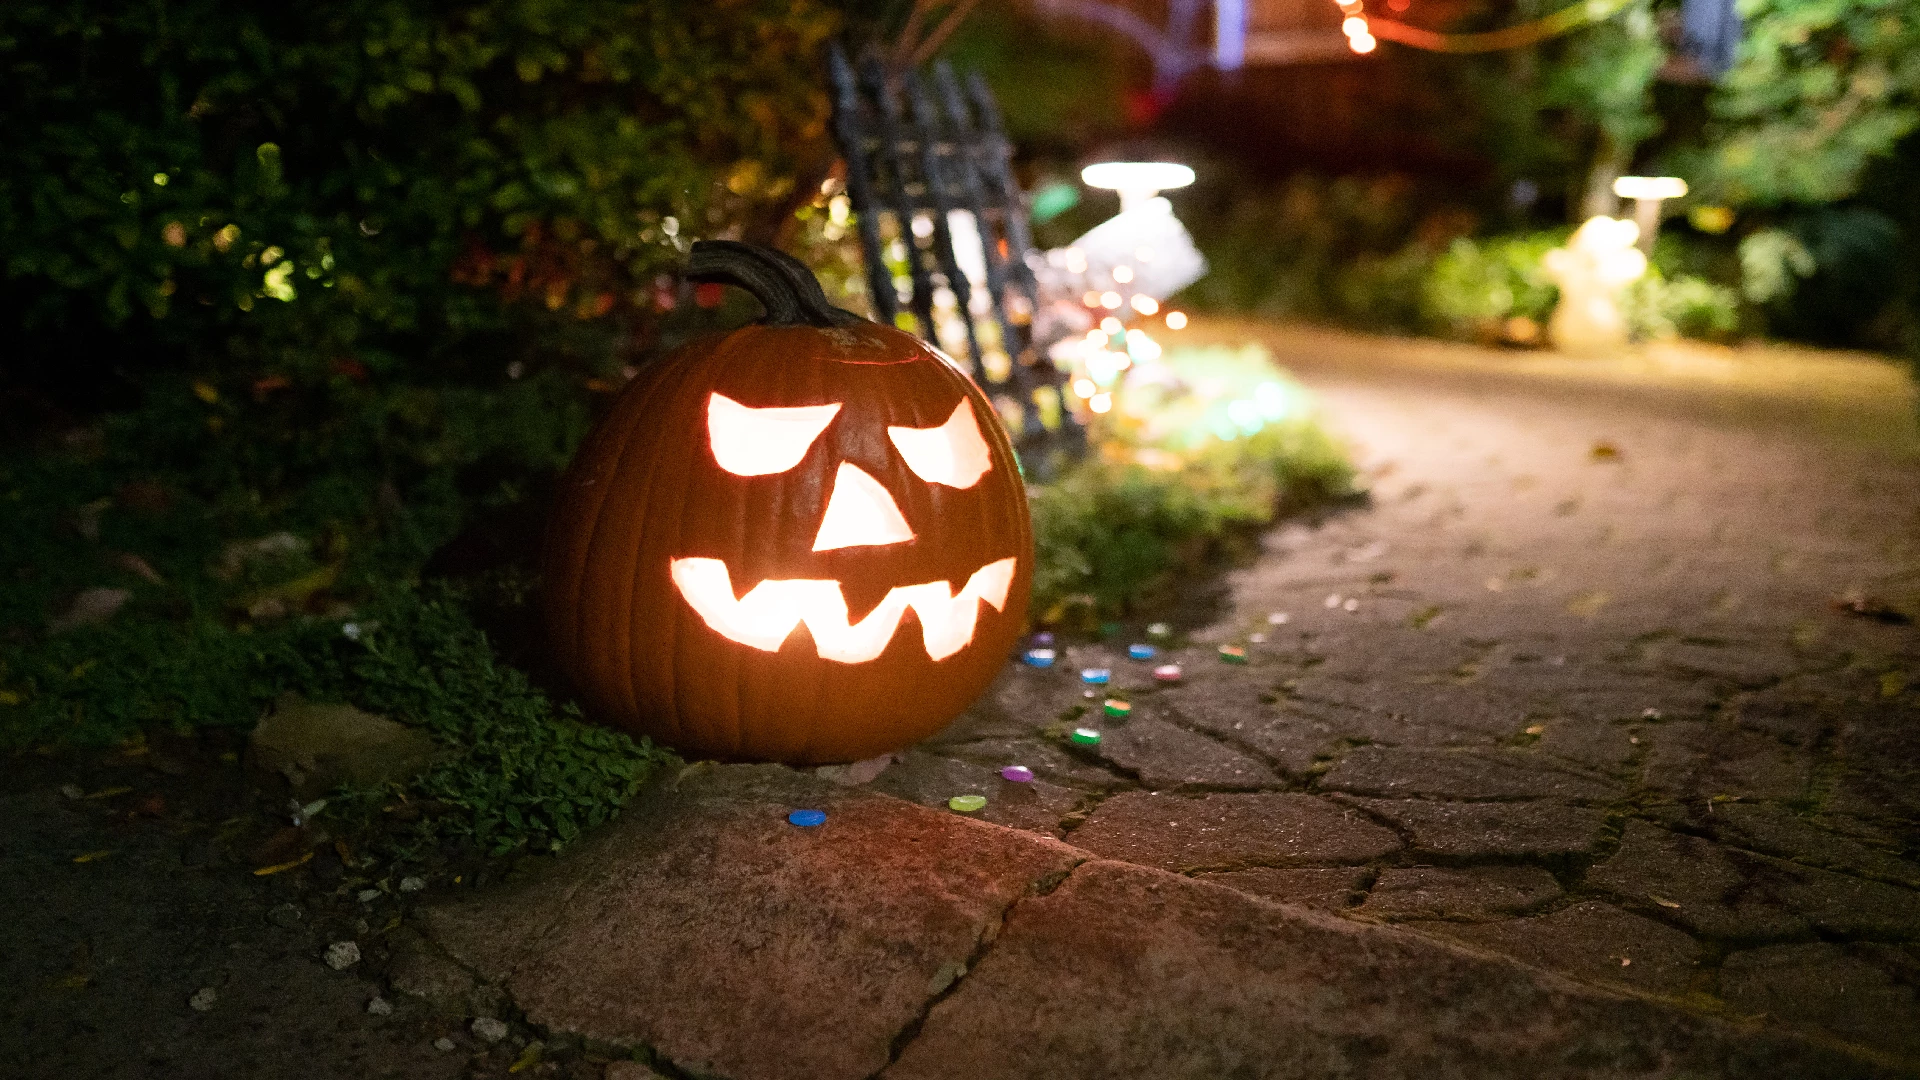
(1181, 479)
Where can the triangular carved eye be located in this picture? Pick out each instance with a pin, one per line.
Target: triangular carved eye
(953, 454)
(759, 442)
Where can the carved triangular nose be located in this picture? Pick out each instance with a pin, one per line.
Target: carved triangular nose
(860, 513)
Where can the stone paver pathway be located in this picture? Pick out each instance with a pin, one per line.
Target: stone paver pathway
(1579, 684)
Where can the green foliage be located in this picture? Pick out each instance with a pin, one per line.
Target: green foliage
(1771, 263)
(1112, 529)
(1604, 75)
(1822, 90)
(416, 187)
(1478, 285)
(1349, 250)
(525, 773)
(1657, 306)
(1057, 88)
(520, 770)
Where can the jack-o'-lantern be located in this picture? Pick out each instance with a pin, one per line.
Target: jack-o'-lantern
(803, 541)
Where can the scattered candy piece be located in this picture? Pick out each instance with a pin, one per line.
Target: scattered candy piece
(1118, 709)
(1332, 601)
(1233, 654)
(1278, 618)
(1257, 639)
(1095, 676)
(1019, 774)
(1142, 652)
(1043, 639)
(1167, 673)
(967, 804)
(1085, 736)
(1159, 630)
(807, 818)
(1351, 604)
(1039, 657)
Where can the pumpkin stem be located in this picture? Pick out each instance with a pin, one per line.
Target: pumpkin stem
(782, 283)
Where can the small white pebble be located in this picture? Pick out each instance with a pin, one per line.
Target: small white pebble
(351, 631)
(1651, 714)
(1089, 693)
(412, 884)
(1626, 962)
(1279, 618)
(443, 1044)
(342, 955)
(1257, 639)
(368, 896)
(72, 791)
(1332, 601)
(380, 1006)
(1351, 605)
(487, 1029)
(203, 999)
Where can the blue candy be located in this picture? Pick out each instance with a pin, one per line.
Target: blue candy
(1097, 676)
(1142, 652)
(807, 818)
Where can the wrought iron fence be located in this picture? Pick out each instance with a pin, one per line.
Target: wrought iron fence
(944, 237)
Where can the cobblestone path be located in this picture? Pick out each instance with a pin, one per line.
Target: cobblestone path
(1595, 679)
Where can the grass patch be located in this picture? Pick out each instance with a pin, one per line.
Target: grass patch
(1182, 477)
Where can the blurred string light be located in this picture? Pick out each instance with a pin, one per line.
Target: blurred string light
(1572, 17)
(1359, 36)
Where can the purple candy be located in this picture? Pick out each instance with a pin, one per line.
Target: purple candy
(1019, 774)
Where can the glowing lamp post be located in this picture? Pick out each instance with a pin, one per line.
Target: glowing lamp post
(1144, 250)
(1136, 181)
(1647, 193)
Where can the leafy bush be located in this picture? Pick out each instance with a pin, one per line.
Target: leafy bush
(1478, 285)
(1682, 306)
(1180, 476)
(400, 189)
(1348, 250)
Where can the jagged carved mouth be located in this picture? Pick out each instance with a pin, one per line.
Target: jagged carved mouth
(767, 614)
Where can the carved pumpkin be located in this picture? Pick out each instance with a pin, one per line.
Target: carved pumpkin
(803, 541)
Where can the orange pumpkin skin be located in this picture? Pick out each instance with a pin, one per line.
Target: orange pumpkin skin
(646, 489)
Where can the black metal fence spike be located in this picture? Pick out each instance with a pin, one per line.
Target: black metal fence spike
(932, 152)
